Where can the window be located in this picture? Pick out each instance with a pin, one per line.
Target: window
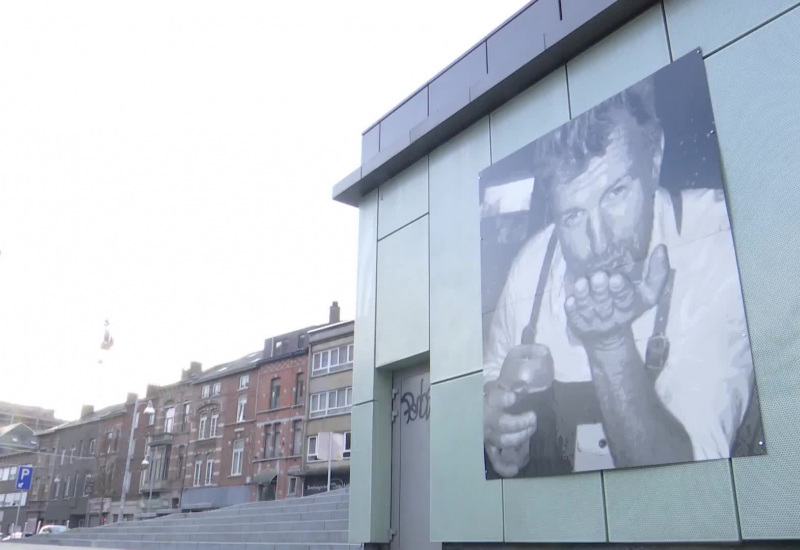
(209, 470)
(151, 419)
(67, 486)
(346, 453)
(12, 473)
(201, 430)
(238, 457)
(198, 471)
(72, 454)
(331, 402)
(332, 360)
(244, 381)
(292, 490)
(157, 464)
(299, 387)
(164, 468)
(56, 487)
(240, 408)
(92, 446)
(269, 443)
(117, 436)
(169, 420)
(217, 388)
(110, 440)
(312, 448)
(297, 437)
(205, 391)
(212, 431)
(37, 489)
(80, 449)
(63, 454)
(87, 485)
(275, 393)
(185, 417)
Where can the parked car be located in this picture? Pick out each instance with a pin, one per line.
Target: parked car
(52, 529)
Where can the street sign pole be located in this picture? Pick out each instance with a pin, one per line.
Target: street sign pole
(24, 476)
(16, 521)
(330, 442)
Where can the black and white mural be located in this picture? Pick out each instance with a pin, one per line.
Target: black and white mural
(614, 327)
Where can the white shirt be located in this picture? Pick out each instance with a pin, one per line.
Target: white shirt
(706, 381)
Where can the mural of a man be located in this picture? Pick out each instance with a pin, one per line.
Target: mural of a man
(640, 344)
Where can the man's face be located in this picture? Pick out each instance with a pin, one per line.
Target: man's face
(604, 216)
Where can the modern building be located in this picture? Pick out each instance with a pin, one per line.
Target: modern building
(330, 396)
(418, 389)
(36, 418)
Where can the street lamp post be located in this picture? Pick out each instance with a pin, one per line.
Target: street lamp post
(146, 463)
(127, 477)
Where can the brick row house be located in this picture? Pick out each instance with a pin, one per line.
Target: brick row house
(241, 431)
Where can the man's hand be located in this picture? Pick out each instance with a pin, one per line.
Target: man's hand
(602, 306)
(506, 436)
(508, 421)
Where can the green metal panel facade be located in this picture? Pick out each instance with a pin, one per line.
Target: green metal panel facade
(752, 73)
(755, 90)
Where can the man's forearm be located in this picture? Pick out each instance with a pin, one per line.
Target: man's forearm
(639, 428)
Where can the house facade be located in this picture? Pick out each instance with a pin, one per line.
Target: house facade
(330, 397)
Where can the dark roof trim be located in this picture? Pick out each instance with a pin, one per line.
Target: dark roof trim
(562, 39)
(451, 65)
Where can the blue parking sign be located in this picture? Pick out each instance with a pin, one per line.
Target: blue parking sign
(24, 476)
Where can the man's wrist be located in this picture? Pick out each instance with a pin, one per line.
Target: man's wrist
(611, 351)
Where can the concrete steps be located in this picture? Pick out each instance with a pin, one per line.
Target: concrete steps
(318, 522)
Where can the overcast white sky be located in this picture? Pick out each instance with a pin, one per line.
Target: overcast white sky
(168, 165)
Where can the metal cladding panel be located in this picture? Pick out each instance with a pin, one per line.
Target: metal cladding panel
(711, 24)
(397, 124)
(403, 199)
(464, 505)
(554, 509)
(521, 39)
(574, 13)
(755, 92)
(455, 253)
(366, 280)
(402, 316)
(370, 489)
(675, 503)
(453, 84)
(628, 55)
(539, 109)
(370, 143)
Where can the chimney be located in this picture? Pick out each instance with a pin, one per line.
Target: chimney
(151, 390)
(334, 314)
(195, 368)
(86, 410)
(132, 397)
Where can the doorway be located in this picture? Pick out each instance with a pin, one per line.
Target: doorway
(268, 491)
(411, 460)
